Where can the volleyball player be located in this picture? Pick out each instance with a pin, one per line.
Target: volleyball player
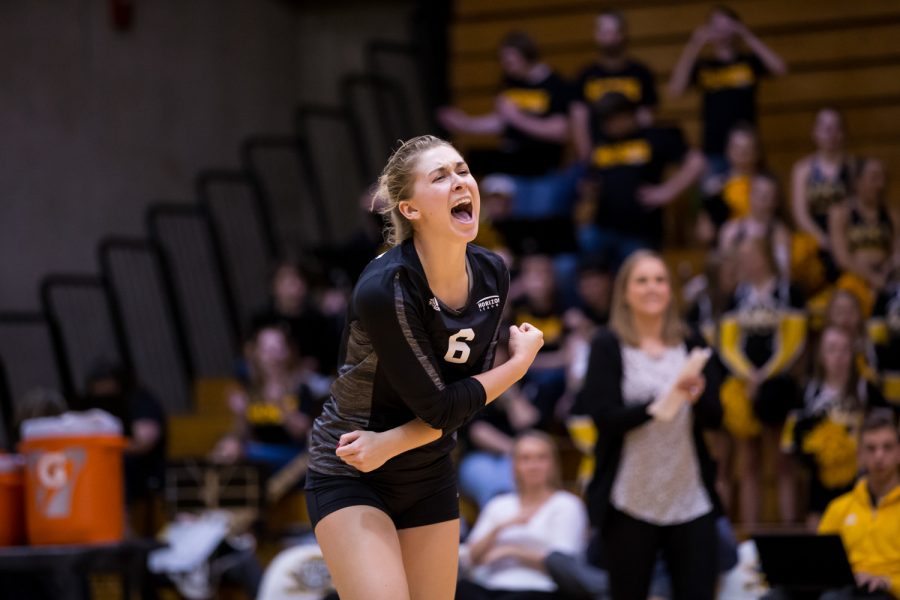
(417, 358)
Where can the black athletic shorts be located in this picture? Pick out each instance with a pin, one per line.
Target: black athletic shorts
(426, 497)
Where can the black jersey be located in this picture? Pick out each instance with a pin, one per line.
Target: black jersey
(865, 235)
(622, 166)
(533, 156)
(729, 96)
(822, 193)
(406, 355)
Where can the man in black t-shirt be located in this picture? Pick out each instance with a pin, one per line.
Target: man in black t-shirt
(530, 115)
(728, 79)
(613, 71)
(625, 189)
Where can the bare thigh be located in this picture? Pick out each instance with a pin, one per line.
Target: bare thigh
(431, 556)
(363, 554)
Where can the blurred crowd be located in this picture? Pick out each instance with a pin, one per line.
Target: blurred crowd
(795, 285)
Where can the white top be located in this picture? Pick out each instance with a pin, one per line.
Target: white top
(658, 480)
(561, 524)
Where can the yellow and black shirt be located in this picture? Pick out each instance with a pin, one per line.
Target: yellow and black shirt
(822, 193)
(634, 81)
(266, 419)
(621, 167)
(865, 235)
(531, 156)
(824, 432)
(729, 96)
(762, 329)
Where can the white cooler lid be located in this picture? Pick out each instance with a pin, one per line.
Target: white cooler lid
(71, 424)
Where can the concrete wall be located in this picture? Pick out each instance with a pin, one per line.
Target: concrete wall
(95, 123)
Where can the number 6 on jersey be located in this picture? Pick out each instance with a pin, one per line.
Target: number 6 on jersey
(457, 350)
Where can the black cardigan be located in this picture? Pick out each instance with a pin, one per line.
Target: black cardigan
(601, 398)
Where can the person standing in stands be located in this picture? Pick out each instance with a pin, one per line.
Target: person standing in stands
(417, 363)
(728, 79)
(822, 180)
(624, 190)
(761, 337)
(653, 484)
(529, 115)
(613, 71)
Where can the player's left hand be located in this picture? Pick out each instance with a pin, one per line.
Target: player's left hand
(363, 450)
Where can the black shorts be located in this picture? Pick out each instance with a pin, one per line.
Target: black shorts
(408, 501)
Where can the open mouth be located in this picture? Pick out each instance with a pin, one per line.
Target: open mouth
(462, 211)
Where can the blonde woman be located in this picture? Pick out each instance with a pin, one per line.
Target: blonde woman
(653, 485)
(516, 531)
(417, 356)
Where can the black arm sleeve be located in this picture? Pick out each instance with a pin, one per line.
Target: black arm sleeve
(601, 395)
(405, 355)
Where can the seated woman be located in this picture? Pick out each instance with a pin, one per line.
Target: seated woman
(864, 232)
(761, 221)
(823, 431)
(515, 531)
(274, 412)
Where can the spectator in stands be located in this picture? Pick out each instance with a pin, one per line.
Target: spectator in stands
(819, 181)
(845, 311)
(706, 296)
(884, 332)
(824, 430)
(728, 79)
(529, 115)
(294, 306)
(727, 195)
(497, 193)
(761, 221)
(653, 486)
(761, 336)
(581, 324)
(485, 469)
(514, 531)
(613, 71)
(864, 232)
(273, 414)
(624, 191)
(534, 299)
(112, 387)
(868, 518)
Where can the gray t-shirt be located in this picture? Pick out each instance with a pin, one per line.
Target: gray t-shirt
(658, 480)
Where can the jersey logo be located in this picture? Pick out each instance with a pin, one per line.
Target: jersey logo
(594, 89)
(626, 153)
(732, 76)
(533, 101)
(488, 302)
(433, 303)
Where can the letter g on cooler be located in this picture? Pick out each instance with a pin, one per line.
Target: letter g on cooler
(56, 473)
